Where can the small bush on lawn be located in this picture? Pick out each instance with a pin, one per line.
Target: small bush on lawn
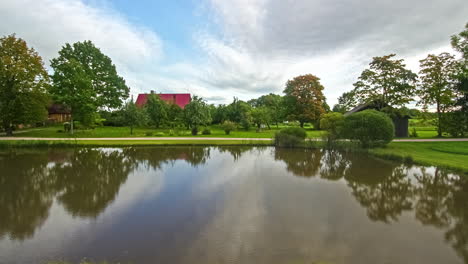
(159, 134)
(206, 131)
(370, 127)
(333, 124)
(228, 126)
(149, 134)
(290, 137)
(413, 133)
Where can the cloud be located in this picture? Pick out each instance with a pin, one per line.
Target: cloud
(248, 47)
(48, 24)
(265, 42)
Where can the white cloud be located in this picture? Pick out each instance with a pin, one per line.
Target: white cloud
(48, 24)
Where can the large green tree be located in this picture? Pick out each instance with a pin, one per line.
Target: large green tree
(23, 84)
(196, 113)
(85, 80)
(273, 104)
(157, 110)
(436, 83)
(304, 99)
(460, 44)
(387, 81)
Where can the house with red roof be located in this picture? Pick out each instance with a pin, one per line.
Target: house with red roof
(179, 99)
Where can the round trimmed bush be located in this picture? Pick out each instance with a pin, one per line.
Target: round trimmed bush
(228, 126)
(369, 127)
(290, 137)
(332, 123)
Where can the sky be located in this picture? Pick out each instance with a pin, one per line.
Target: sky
(220, 49)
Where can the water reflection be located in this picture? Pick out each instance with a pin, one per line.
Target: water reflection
(246, 199)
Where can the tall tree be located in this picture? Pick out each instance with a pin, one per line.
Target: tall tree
(274, 105)
(387, 81)
(304, 99)
(157, 110)
(436, 83)
(196, 113)
(85, 79)
(23, 84)
(460, 44)
(133, 116)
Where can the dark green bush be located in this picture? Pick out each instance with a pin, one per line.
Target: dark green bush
(290, 137)
(206, 131)
(149, 134)
(370, 127)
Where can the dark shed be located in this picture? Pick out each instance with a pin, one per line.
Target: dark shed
(400, 122)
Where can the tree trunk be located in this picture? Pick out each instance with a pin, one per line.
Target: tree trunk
(439, 128)
(9, 130)
(71, 126)
(131, 130)
(302, 124)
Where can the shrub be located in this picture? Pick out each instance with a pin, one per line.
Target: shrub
(228, 126)
(206, 131)
(333, 124)
(290, 137)
(149, 134)
(159, 134)
(194, 131)
(455, 124)
(413, 132)
(369, 127)
(67, 126)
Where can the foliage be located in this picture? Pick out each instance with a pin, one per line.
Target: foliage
(369, 127)
(23, 84)
(133, 116)
(346, 102)
(157, 110)
(206, 131)
(436, 83)
(175, 115)
(460, 44)
(261, 116)
(290, 137)
(228, 126)
(196, 113)
(387, 80)
(85, 80)
(332, 123)
(454, 123)
(274, 105)
(304, 99)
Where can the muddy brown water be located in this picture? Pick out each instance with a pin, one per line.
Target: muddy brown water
(227, 205)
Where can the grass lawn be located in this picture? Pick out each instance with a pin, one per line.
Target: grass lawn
(99, 132)
(443, 154)
(127, 143)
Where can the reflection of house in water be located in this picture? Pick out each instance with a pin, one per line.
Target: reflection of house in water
(399, 121)
(59, 113)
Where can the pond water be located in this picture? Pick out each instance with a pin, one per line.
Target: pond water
(227, 205)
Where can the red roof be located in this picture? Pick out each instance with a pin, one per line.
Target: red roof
(179, 99)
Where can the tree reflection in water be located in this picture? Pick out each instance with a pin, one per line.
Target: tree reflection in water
(387, 189)
(85, 181)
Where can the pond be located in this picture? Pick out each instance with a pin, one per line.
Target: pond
(227, 205)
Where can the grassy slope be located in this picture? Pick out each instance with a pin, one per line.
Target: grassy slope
(444, 154)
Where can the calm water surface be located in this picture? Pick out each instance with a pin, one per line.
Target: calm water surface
(227, 205)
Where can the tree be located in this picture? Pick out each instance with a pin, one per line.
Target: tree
(460, 44)
(304, 99)
(346, 102)
(157, 110)
(436, 83)
(23, 84)
(196, 113)
(333, 124)
(386, 81)
(273, 103)
(133, 116)
(85, 79)
(174, 115)
(261, 116)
